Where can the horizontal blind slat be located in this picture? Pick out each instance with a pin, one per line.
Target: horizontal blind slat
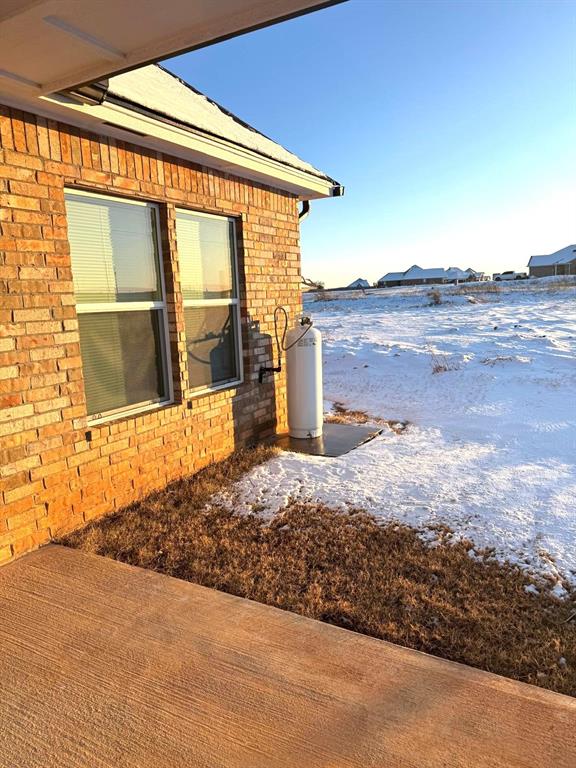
(113, 250)
(206, 256)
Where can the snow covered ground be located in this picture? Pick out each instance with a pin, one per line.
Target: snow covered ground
(488, 384)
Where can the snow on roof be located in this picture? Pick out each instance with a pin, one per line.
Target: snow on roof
(157, 90)
(541, 261)
(417, 273)
(563, 256)
(359, 283)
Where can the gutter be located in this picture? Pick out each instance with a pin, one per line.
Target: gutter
(167, 120)
(98, 93)
(89, 95)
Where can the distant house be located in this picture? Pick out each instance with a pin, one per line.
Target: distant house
(473, 274)
(359, 283)
(562, 262)
(418, 276)
(456, 275)
(391, 279)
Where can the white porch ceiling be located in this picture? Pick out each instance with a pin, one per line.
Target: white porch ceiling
(51, 45)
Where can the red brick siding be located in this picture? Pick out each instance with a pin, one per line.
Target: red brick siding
(52, 478)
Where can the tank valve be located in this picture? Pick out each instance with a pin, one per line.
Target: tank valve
(265, 369)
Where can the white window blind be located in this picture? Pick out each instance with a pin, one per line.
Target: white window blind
(114, 250)
(209, 281)
(120, 302)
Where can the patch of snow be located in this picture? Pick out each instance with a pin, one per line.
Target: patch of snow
(559, 591)
(490, 449)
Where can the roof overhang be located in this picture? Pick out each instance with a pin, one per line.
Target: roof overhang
(126, 124)
(52, 45)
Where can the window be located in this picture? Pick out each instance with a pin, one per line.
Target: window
(119, 291)
(209, 280)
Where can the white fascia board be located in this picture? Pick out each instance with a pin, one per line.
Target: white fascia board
(203, 149)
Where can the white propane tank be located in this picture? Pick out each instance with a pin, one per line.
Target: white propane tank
(304, 380)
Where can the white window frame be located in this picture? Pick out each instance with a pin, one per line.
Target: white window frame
(233, 302)
(134, 306)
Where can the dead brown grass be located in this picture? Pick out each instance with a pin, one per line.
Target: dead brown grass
(479, 287)
(346, 569)
(342, 415)
(560, 284)
(435, 297)
(443, 363)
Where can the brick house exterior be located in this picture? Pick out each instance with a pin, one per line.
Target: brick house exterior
(57, 469)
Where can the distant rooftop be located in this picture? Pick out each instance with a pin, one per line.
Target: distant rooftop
(359, 283)
(433, 273)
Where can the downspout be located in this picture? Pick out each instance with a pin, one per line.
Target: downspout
(336, 191)
(304, 211)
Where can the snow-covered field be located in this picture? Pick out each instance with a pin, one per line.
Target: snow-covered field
(488, 384)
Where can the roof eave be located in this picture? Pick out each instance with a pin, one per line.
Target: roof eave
(101, 39)
(184, 142)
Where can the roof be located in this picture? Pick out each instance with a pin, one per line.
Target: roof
(563, 256)
(149, 105)
(359, 283)
(162, 93)
(417, 273)
(157, 110)
(458, 273)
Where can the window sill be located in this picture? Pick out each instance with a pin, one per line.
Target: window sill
(193, 393)
(131, 413)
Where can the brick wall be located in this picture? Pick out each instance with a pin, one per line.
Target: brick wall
(541, 271)
(551, 270)
(52, 477)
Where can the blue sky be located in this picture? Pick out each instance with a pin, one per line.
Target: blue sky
(451, 124)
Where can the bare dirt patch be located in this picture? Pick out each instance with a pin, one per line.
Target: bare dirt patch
(348, 570)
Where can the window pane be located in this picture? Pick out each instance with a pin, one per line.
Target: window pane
(113, 250)
(122, 359)
(211, 335)
(206, 256)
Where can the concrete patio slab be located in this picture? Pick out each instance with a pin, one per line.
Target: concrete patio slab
(108, 666)
(336, 440)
